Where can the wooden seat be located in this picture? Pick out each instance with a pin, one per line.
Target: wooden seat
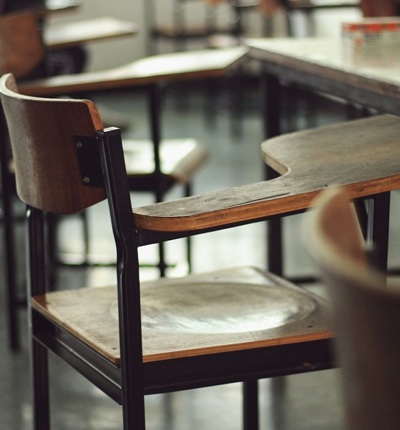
(365, 314)
(238, 324)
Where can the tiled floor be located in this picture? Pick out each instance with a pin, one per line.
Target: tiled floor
(301, 402)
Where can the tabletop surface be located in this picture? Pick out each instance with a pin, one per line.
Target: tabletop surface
(372, 69)
(88, 30)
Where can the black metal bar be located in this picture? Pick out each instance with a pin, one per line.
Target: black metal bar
(188, 192)
(9, 240)
(250, 405)
(379, 233)
(237, 366)
(155, 129)
(37, 285)
(81, 357)
(271, 114)
(129, 312)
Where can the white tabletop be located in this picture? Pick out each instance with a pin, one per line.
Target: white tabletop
(328, 65)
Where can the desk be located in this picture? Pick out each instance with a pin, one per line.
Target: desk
(91, 30)
(323, 65)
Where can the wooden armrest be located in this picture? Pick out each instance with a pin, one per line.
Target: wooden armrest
(91, 30)
(146, 71)
(360, 155)
(217, 209)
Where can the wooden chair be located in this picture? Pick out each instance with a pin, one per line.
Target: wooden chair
(365, 315)
(136, 338)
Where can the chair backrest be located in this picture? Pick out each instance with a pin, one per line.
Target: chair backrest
(21, 44)
(365, 315)
(45, 139)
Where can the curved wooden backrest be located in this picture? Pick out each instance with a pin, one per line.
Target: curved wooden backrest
(42, 133)
(365, 316)
(21, 45)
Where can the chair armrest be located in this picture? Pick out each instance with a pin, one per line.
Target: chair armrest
(242, 204)
(359, 155)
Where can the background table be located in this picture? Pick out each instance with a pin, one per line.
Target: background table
(370, 78)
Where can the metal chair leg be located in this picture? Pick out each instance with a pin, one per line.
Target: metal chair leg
(41, 405)
(250, 405)
(9, 242)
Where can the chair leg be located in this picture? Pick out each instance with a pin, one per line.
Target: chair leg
(10, 257)
(162, 266)
(188, 192)
(41, 404)
(9, 233)
(379, 232)
(52, 246)
(250, 405)
(85, 233)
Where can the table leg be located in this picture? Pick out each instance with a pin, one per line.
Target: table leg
(379, 229)
(271, 116)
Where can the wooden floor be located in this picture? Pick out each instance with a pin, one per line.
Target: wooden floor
(301, 402)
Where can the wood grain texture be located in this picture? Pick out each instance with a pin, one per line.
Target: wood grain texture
(360, 155)
(222, 311)
(21, 46)
(44, 150)
(90, 30)
(166, 67)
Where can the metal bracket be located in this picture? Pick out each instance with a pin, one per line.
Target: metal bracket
(87, 150)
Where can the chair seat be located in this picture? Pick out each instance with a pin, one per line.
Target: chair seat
(180, 158)
(232, 309)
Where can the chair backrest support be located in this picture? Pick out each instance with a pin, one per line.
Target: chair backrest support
(43, 135)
